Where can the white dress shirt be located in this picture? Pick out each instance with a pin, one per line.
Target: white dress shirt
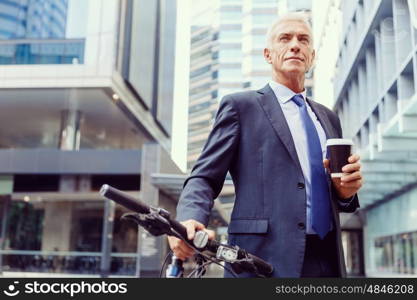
(295, 123)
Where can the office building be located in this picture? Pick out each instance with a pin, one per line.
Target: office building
(84, 100)
(33, 19)
(375, 97)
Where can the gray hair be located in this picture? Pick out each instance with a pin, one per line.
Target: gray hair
(292, 16)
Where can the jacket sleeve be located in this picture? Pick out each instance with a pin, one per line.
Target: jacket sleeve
(208, 174)
(345, 205)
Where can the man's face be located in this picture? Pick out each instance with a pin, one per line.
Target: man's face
(291, 49)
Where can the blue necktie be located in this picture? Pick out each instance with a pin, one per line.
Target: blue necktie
(320, 197)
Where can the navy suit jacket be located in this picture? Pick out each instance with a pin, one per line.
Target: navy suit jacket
(251, 139)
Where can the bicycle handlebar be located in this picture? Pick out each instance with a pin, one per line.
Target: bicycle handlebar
(124, 199)
(213, 246)
(137, 206)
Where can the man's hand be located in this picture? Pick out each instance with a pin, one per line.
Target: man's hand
(350, 183)
(180, 249)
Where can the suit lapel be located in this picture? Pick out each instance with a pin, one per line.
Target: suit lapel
(323, 119)
(273, 111)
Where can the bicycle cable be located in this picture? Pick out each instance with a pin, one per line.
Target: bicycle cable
(164, 263)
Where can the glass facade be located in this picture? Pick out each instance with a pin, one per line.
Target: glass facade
(42, 52)
(391, 232)
(352, 241)
(42, 113)
(37, 241)
(205, 56)
(396, 253)
(33, 19)
(149, 31)
(42, 32)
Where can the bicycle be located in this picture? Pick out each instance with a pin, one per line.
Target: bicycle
(157, 221)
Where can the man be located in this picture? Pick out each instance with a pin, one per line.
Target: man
(272, 141)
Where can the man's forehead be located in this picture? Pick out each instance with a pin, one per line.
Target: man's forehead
(292, 27)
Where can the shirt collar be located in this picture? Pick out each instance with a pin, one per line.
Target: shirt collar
(283, 93)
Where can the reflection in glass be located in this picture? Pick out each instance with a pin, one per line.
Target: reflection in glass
(58, 236)
(352, 244)
(42, 31)
(396, 254)
(413, 255)
(125, 234)
(24, 227)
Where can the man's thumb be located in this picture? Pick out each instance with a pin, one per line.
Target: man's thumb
(211, 234)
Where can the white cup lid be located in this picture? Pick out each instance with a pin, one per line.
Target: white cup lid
(336, 142)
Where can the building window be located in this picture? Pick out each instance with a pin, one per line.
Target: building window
(200, 36)
(201, 53)
(396, 253)
(199, 107)
(64, 236)
(199, 71)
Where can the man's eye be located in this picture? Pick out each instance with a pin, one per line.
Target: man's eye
(284, 38)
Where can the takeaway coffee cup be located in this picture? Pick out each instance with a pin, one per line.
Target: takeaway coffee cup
(338, 151)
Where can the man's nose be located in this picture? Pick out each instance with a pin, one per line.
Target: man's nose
(294, 46)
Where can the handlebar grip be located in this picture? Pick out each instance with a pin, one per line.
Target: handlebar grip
(181, 229)
(263, 267)
(124, 199)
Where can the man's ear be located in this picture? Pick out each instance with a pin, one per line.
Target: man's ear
(267, 55)
(313, 61)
